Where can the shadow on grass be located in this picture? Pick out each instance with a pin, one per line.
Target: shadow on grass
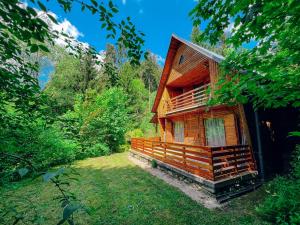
(115, 191)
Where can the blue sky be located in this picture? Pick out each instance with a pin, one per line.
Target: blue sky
(157, 19)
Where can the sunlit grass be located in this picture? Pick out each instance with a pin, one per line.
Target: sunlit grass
(115, 191)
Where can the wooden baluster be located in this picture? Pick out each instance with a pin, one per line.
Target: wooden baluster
(253, 166)
(235, 160)
(184, 157)
(152, 149)
(165, 151)
(211, 163)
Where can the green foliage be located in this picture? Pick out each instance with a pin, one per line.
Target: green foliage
(267, 75)
(134, 133)
(116, 191)
(220, 47)
(99, 122)
(95, 150)
(282, 205)
(153, 163)
(43, 146)
(23, 33)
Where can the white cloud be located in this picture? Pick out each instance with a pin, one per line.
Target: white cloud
(159, 59)
(67, 28)
(229, 28)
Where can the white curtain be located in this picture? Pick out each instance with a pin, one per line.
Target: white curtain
(215, 132)
(179, 131)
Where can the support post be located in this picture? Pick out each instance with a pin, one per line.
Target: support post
(259, 147)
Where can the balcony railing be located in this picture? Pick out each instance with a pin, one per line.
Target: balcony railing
(191, 99)
(212, 163)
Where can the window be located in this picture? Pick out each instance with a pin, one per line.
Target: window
(181, 59)
(179, 131)
(215, 132)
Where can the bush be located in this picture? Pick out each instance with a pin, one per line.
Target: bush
(96, 150)
(124, 148)
(153, 163)
(43, 146)
(133, 134)
(105, 120)
(282, 205)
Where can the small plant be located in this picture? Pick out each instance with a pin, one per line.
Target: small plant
(282, 205)
(154, 163)
(61, 179)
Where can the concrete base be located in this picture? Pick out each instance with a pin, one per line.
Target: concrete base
(213, 187)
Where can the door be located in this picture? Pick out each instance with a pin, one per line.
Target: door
(179, 131)
(215, 132)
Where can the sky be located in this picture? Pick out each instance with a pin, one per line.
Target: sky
(158, 19)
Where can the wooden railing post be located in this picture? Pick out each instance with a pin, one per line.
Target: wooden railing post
(165, 151)
(235, 160)
(253, 167)
(211, 163)
(152, 151)
(184, 157)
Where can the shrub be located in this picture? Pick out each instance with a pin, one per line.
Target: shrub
(124, 148)
(133, 133)
(282, 205)
(96, 150)
(43, 146)
(153, 163)
(106, 120)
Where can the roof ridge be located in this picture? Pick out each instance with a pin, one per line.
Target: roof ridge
(213, 55)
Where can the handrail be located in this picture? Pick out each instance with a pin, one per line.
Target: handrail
(194, 97)
(212, 163)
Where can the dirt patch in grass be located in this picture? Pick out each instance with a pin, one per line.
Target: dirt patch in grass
(189, 189)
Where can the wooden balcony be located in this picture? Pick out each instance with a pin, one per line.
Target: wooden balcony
(210, 163)
(189, 100)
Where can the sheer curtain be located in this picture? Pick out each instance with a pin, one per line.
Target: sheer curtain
(215, 132)
(179, 131)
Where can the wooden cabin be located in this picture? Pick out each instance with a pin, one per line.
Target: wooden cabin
(209, 143)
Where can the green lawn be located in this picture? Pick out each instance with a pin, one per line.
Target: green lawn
(118, 192)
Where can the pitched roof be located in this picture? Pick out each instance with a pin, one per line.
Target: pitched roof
(174, 44)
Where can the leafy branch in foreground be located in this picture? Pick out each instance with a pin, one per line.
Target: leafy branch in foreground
(267, 75)
(26, 31)
(61, 180)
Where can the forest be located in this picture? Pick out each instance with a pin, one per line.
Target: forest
(87, 109)
(94, 103)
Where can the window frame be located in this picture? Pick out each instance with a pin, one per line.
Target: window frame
(175, 131)
(216, 134)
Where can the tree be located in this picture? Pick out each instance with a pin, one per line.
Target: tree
(65, 83)
(150, 72)
(268, 74)
(220, 47)
(105, 119)
(24, 32)
(110, 68)
(88, 71)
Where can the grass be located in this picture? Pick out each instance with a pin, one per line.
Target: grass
(115, 191)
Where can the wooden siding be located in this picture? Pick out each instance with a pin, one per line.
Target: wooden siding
(193, 60)
(163, 104)
(194, 130)
(179, 79)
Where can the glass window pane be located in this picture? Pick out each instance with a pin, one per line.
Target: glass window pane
(178, 131)
(215, 132)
